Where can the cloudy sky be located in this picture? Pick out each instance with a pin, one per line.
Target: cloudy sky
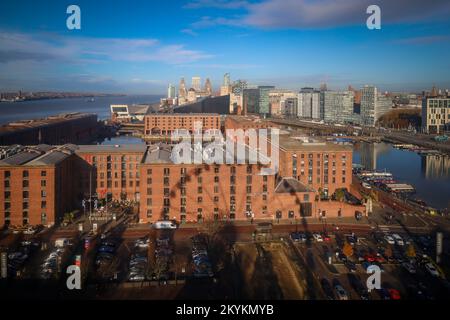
(140, 46)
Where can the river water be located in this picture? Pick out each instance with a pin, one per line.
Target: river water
(430, 174)
(13, 111)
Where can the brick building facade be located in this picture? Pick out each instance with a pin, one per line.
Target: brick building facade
(41, 183)
(165, 124)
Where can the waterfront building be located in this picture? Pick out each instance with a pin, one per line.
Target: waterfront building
(56, 180)
(283, 102)
(373, 105)
(208, 87)
(236, 95)
(129, 113)
(338, 106)
(309, 104)
(196, 83)
(256, 100)
(166, 124)
(109, 171)
(219, 104)
(182, 92)
(225, 89)
(171, 91)
(59, 129)
(435, 114)
(38, 185)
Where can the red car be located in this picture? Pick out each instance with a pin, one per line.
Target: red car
(395, 294)
(370, 258)
(326, 237)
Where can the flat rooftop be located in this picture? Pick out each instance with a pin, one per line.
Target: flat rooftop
(34, 123)
(141, 147)
(293, 143)
(247, 119)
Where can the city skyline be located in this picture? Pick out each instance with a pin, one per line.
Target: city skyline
(288, 44)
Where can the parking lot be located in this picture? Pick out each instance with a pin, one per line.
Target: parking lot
(128, 263)
(342, 272)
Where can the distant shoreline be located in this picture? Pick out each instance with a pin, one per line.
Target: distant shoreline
(63, 97)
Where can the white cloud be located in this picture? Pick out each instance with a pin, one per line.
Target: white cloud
(189, 32)
(296, 14)
(45, 46)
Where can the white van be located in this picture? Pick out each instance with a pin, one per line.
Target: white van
(164, 225)
(398, 239)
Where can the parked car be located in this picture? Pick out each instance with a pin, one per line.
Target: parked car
(366, 185)
(326, 237)
(384, 294)
(164, 225)
(398, 239)
(356, 283)
(317, 237)
(327, 290)
(394, 294)
(298, 237)
(350, 266)
(341, 294)
(352, 240)
(432, 269)
(389, 239)
(409, 267)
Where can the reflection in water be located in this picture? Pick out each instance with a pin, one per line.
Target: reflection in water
(369, 153)
(123, 140)
(436, 166)
(430, 175)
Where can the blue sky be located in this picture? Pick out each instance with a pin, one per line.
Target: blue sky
(140, 46)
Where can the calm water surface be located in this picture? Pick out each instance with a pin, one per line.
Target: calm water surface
(13, 111)
(430, 174)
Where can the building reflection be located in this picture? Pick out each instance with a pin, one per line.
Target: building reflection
(370, 152)
(435, 166)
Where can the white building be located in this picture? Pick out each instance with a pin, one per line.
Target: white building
(171, 91)
(373, 105)
(309, 104)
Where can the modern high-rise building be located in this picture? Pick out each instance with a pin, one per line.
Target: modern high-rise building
(225, 88)
(435, 114)
(283, 102)
(235, 91)
(257, 100)
(309, 104)
(226, 80)
(338, 106)
(373, 105)
(196, 83)
(171, 91)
